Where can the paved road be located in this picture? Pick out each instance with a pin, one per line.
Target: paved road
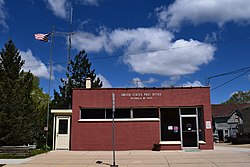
(222, 156)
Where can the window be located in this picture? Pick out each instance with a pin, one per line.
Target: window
(120, 113)
(92, 113)
(226, 133)
(145, 113)
(170, 124)
(104, 113)
(63, 126)
(188, 111)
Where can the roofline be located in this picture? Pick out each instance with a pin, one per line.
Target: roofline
(236, 110)
(230, 114)
(221, 116)
(247, 106)
(144, 88)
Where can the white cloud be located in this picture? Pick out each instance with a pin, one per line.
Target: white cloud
(89, 2)
(150, 50)
(36, 66)
(180, 58)
(89, 42)
(194, 84)
(58, 7)
(3, 15)
(202, 11)
(58, 68)
(137, 82)
(151, 80)
(105, 82)
(211, 37)
(171, 82)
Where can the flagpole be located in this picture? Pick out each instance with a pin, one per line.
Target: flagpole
(69, 48)
(50, 77)
(70, 33)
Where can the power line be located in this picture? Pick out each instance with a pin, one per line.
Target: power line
(228, 73)
(135, 53)
(65, 62)
(230, 80)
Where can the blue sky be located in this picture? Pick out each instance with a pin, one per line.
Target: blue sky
(130, 43)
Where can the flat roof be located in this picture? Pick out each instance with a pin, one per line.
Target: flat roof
(146, 88)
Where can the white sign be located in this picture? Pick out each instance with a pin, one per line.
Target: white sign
(113, 102)
(170, 128)
(208, 125)
(141, 96)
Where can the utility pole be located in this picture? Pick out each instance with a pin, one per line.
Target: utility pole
(50, 77)
(53, 33)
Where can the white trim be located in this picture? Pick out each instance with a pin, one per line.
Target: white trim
(125, 120)
(170, 142)
(54, 132)
(197, 127)
(61, 111)
(192, 115)
(202, 142)
(68, 118)
(159, 111)
(181, 127)
(197, 132)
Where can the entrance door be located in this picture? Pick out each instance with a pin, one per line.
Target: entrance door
(62, 133)
(189, 132)
(221, 135)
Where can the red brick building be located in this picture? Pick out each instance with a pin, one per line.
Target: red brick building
(172, 118)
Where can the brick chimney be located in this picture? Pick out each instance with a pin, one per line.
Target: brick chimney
(88, 83)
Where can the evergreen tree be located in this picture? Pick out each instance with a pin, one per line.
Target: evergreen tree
(10, 102)
(40, 100)
(79, 70)
(18, 114)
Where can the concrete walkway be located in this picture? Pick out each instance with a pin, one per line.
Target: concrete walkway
(222, 156)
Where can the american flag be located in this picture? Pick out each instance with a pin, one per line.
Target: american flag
(42, 37)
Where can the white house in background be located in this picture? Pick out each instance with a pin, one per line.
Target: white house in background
(227, 118)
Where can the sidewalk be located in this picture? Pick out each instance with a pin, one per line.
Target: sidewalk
(222, 156)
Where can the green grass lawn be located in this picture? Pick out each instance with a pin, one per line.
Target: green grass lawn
(27, 154)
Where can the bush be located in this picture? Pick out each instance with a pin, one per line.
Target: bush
(45, 147)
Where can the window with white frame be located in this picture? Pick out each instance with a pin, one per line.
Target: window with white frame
(120, 113)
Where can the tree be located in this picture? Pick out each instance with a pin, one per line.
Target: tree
(79, 70)
(40, 100)
(239, 98)
(11, 102)
(19, 114)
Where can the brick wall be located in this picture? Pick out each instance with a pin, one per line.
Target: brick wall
(131, 135)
